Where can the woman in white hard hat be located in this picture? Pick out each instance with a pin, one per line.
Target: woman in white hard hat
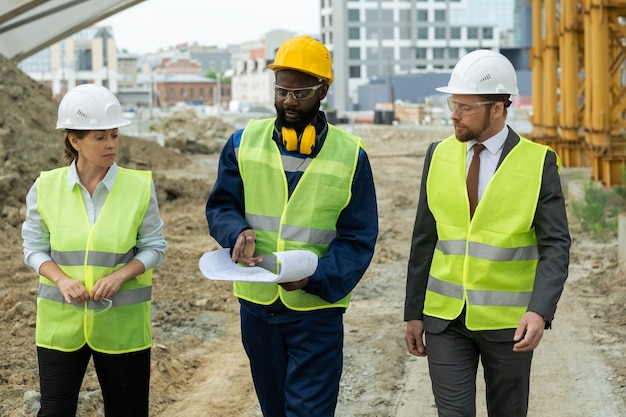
(93, 232)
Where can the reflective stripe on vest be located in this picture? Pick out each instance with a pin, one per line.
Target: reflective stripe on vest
(87, 253)
(487, 265)
(77, 258)
(307, 219)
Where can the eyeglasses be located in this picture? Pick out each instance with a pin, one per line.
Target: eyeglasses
(93, 308)
(297, 93)
(464, 109)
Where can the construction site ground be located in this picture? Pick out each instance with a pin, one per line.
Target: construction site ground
(198, 365)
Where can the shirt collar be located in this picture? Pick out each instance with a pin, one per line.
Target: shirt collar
(108, 181)
(494, 144)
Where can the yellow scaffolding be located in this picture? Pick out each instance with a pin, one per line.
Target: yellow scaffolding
(578, 61)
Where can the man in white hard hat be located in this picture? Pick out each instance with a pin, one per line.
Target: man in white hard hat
(490, 247)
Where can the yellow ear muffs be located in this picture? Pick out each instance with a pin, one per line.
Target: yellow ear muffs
(307, 140)
(304, 144)
(290, 139)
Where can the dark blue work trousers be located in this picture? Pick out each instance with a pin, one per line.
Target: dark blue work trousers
(296, 359)
(124, 379)
(453, 357)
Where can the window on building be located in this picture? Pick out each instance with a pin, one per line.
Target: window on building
(453, 53)
(405, 32)
(354, 33)
(438, 53)
(440, 33)
(487, 33)
(372, 32)
(387, 32)
(371, 15)
(422, 33)
(354, 53)
(38, 62)
(373, 53)
(355, 71)
(354, 15)
(422, 15)
(406, 53)
(420, 53)
(472, 33)
(84, 59)
(375, 70)
(440, 15)
(455, 33)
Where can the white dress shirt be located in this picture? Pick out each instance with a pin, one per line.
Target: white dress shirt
(489, 158)
(151, 244)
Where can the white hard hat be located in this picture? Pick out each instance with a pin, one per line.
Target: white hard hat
(90, 107)
(482, 71)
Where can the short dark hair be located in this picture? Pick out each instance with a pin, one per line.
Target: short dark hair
(505, 98)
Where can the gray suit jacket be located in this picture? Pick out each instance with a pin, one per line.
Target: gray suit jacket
(553, 239)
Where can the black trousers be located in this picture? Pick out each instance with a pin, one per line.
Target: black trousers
(453, 357)
(124, 379)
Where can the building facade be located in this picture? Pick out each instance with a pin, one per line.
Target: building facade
(376, 39)
(252, 81)
(88, 56)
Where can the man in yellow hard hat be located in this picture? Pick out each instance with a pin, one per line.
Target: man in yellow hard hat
(296, 182)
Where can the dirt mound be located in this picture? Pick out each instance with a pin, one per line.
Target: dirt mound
(190, 133)
(28, 142)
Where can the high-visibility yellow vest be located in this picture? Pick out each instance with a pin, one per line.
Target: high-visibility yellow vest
(487, 263)
(306, 220)
(87, 253)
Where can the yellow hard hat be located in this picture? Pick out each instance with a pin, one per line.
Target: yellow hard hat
(303, 53)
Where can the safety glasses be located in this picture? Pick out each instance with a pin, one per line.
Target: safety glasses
(297, 93)
(93, 308)
(464, 109)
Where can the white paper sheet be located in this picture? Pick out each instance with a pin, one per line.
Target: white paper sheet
(294, 266)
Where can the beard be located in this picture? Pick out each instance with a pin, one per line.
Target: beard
(468, 134)
(305, 117)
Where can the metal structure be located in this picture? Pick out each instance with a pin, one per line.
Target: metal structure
(28, 26)
(578, 61)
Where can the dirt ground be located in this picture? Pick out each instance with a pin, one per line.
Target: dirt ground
(198, 365)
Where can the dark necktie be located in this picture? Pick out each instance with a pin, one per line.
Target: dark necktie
(472, 178)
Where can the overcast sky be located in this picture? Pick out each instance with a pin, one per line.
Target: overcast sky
(154, 24)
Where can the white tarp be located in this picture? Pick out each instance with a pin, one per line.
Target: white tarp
(28, 26)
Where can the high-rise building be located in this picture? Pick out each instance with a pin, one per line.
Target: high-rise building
(374, 39)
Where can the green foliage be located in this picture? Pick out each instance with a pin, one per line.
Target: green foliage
(591, 210)
(620, 189)
(214, 74)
